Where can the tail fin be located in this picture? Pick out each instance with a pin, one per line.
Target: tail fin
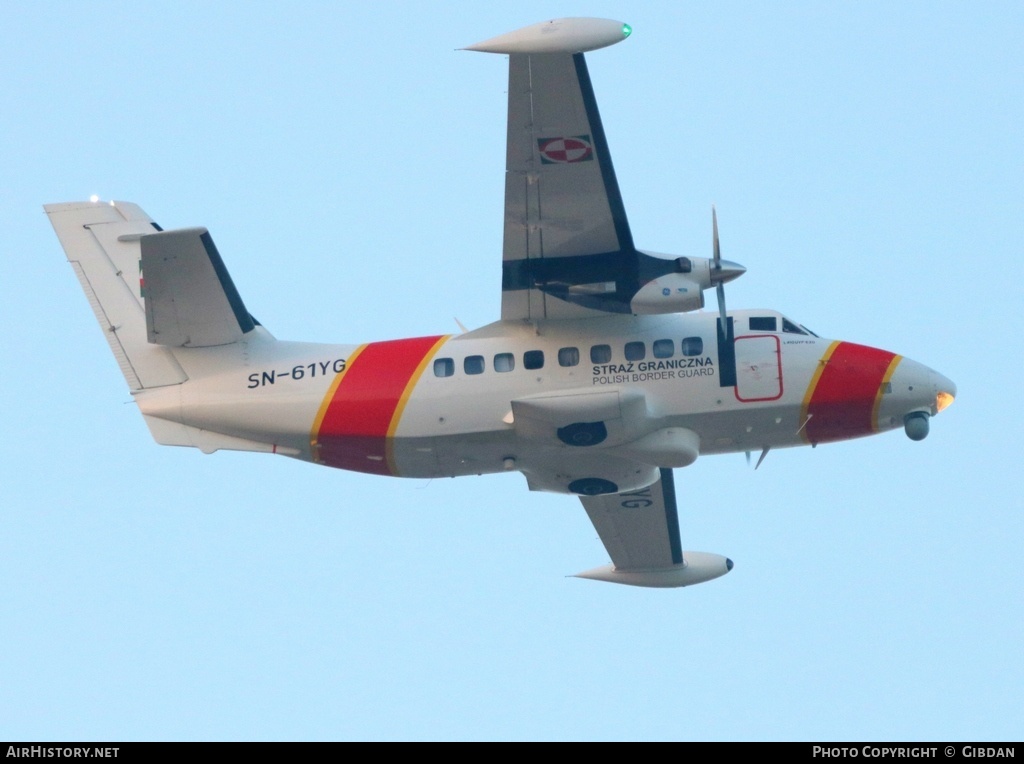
(155, 293)
(151, 290)
(102, 243)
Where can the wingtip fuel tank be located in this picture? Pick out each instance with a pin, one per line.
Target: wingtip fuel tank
(697, 568)
(572, 35)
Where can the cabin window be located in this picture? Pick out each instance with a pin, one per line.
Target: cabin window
(763, 324)
(664, 348)
(533, 359)
(600, 353)
(444, 367)
(635, 351)
(569, 357)
(693, 346)
(504, 362)
(473, 364)
(790, 327)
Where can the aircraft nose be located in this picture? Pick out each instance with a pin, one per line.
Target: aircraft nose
(917, 387)
(911, 397)
(917, 394)
(945, 391)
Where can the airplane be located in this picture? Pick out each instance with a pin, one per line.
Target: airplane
(601, 377)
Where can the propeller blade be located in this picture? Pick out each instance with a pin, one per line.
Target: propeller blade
(716, 250)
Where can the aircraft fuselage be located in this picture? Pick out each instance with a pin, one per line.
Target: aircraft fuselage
(641, 392)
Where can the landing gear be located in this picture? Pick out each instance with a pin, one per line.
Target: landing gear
(593, 486)
(583, 433)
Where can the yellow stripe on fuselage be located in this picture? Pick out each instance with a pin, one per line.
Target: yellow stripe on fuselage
(406, 394)
(818, 371)
(393, 427)
(886, 379)
(314, 432)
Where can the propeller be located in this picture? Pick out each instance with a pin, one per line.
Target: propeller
(721, 270)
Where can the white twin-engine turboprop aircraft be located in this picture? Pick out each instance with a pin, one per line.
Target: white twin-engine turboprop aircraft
(597, 381)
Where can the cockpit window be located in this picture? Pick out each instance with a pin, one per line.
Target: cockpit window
(791, 328)
(763, 324)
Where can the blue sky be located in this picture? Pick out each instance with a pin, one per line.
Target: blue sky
(867, 164)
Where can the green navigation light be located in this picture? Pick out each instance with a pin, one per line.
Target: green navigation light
(627, 30)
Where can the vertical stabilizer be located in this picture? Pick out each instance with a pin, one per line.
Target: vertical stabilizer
(101, 241)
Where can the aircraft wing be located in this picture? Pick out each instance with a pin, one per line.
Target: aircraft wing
(568, 251)
(566, 230)
(640, 530)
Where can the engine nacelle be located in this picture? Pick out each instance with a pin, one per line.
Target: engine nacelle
(671, 293)
(668, 447)
(591, 473)
(681, 286)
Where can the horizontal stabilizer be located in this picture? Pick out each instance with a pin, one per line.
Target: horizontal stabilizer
(189, 296)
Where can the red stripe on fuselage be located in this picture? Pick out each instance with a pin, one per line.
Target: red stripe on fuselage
(842, 403)
(355, 427)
